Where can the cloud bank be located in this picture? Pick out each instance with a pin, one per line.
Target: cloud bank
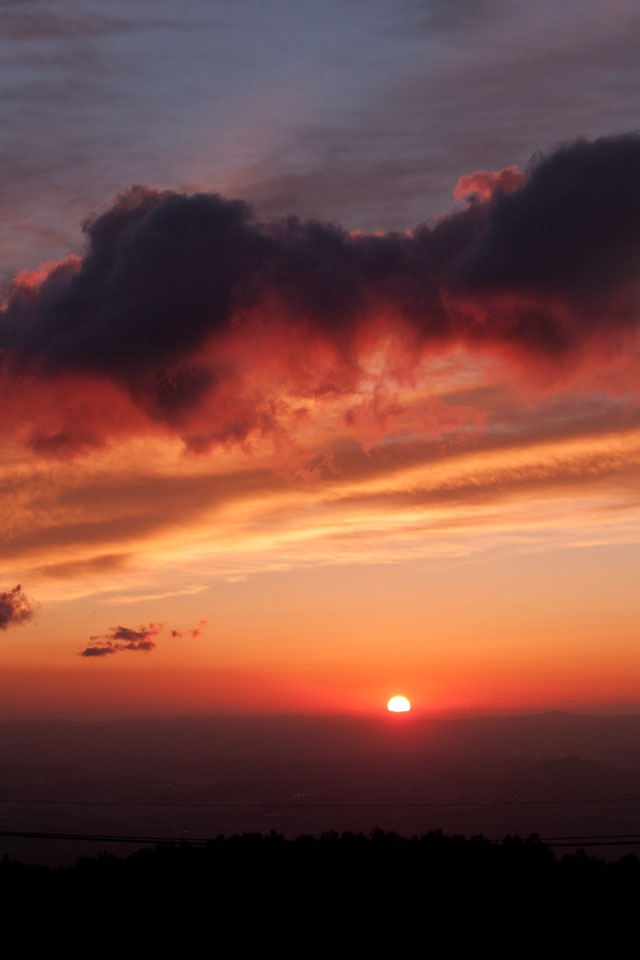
(188, 314)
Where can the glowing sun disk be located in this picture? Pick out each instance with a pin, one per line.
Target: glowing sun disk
(398, 705)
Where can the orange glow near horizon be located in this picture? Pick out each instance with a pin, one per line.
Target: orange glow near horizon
(320, 590)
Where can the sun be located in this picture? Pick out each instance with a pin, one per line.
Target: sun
(398, 705)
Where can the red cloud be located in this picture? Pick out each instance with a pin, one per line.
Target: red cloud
(483, 184)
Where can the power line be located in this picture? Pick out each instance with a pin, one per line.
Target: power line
(304, 805)
(586, 840)
(100, 838)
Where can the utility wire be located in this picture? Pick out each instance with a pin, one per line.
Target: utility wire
(597, 840)
(302, 804)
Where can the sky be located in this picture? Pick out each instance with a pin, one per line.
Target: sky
(319, 356)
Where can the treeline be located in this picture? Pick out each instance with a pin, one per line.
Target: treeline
(362, 888)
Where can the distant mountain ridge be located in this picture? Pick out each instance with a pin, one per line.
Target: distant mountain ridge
(552, 774)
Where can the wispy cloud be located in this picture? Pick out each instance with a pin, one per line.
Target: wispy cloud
(193, 633)
(144, 597)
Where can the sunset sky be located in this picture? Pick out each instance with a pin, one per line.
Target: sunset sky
(319, 356)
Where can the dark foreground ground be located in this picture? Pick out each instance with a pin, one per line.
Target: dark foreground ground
(336, 894)
(566, 777)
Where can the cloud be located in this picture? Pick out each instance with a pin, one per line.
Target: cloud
(200, 317)
(15, 608)
(138, 598)
(379, 162)
(120, 639)
(75, 569)
(569, 234)
(195, 632)
(483, 184)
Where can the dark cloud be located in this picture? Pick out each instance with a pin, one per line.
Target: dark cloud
(15, 608)
(162, 271)
(98, 651)
(572, 230)
(120, 639)
(183, 300)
